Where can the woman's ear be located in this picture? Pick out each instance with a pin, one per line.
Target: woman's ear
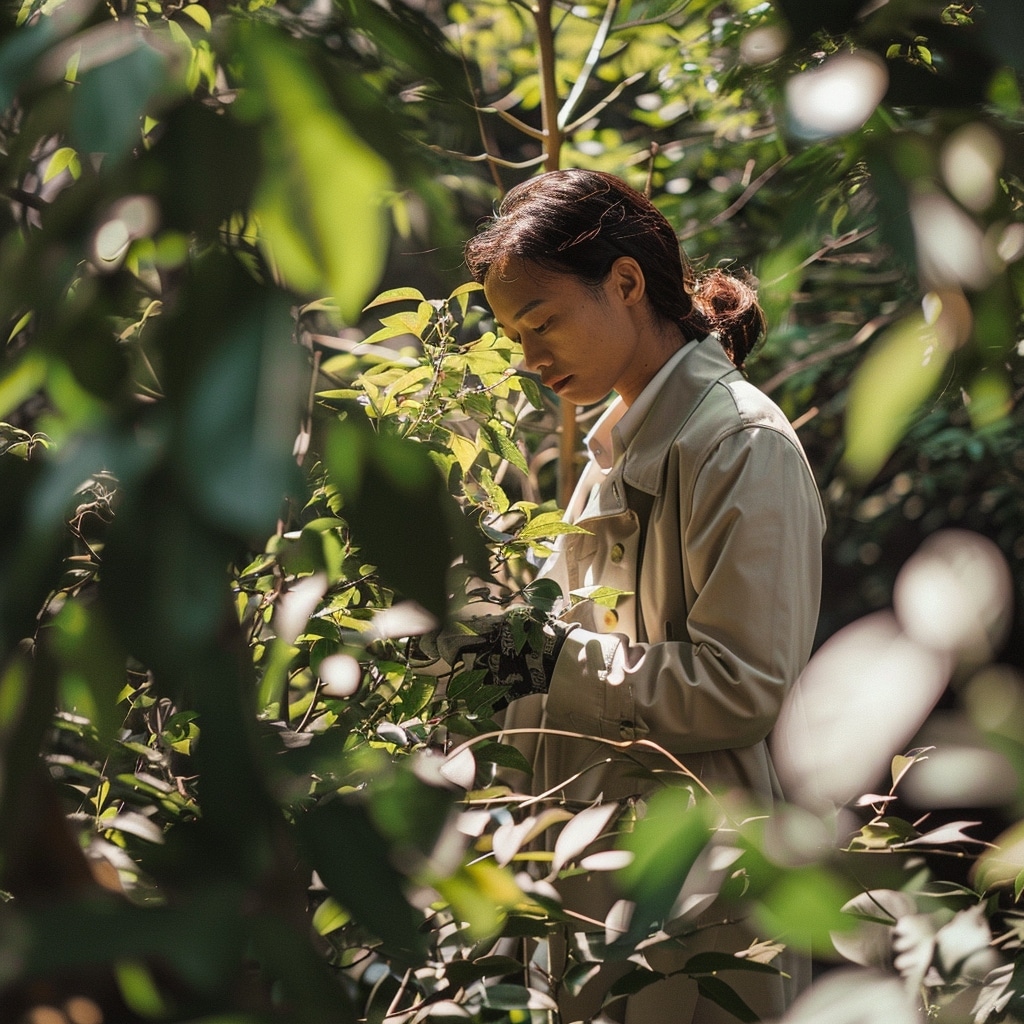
(627, 279)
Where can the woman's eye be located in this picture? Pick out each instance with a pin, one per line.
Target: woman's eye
(543, 327)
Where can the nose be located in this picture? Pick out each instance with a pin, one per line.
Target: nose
(535, 356)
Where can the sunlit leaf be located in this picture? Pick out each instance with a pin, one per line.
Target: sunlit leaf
(899, 373)
(321, 197)
(579, 833)
(395, 295)
(330, 916)
(495, 436)
(199, 14)
(805, 905)
(665, 844)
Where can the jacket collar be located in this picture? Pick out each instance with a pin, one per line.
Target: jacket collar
(642, 463)
(684, 390)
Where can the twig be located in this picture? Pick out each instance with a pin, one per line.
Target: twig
(610, 98)
(748, 193)
(593, 56)
(617, 744)
(866, 332)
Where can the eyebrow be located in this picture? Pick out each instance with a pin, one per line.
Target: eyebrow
(532, 304)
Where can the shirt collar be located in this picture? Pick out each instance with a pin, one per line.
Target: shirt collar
(617, 427)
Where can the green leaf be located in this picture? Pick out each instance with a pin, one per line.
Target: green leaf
(246, 396)
(63, 159)
(721, 993)
(24, 380)
(665, 844)
(321, 197)
(898, 374)
(496, 437)
(109, 100)
(532, 391)
(352, 858)
(1003, 864)
(395, 295)
(548, 524)
(400, 514)
(93, 666)
(712, 963)
(330, 916)
(806, 905)
(199, 14)
(504, 755)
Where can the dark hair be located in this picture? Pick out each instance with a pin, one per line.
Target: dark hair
(580, 222)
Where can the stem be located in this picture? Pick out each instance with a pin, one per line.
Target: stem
(548, 87)
(553, 139)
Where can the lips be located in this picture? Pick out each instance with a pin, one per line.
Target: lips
(557, 383)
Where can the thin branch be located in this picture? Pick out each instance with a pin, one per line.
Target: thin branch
(610, 98)
(836, 243)
(480, 157)
(660, 20)
(548, 86)
(29, 199)
(593, 56)
(866, 332)
(527, 129)
(623, 745)
(481, 126)
(748, 193)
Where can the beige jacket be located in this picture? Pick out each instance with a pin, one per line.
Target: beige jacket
(728, 597)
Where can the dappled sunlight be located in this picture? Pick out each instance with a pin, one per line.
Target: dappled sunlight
(297, 604)
(870, 687)
(861, 697)
(960, 775)
(971, 160)
(954, 595)
(951, 247)
(949, 314)
(838, 96)
(763, 44)
(340, 675)
(994, 699)
(854, 997)
(129, 219)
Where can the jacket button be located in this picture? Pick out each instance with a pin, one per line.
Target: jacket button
(616, 553)
(610, 618)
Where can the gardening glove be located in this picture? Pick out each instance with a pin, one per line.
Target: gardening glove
(521, 653)
(442, 649)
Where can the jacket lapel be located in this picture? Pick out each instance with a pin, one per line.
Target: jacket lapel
(698, 372)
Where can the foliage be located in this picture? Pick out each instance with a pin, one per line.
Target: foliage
(229, 498)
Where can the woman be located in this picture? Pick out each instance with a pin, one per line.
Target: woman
(698, 504)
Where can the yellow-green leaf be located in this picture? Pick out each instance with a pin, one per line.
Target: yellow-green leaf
(890, 385)
(199, 14)
(395, 295)
(63, 159)
(464, 450)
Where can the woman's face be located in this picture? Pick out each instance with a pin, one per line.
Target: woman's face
(583, 342)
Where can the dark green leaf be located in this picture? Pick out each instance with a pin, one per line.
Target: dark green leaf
(352, 858)
(109, 101)
(504, 755)
(719, 992)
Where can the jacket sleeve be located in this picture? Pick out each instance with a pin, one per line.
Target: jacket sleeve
(751, 540)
